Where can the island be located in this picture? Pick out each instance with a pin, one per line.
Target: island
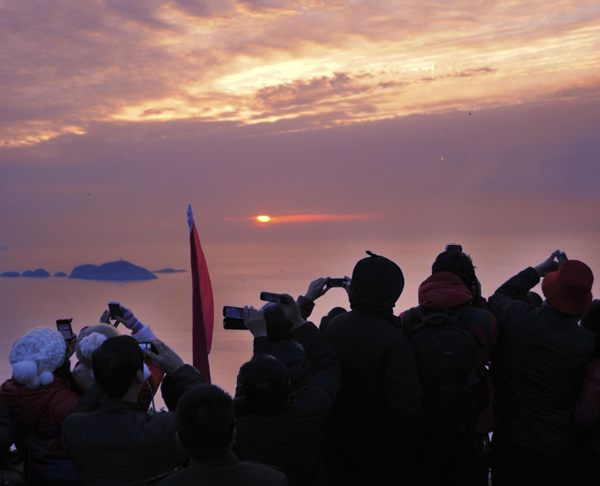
(60, 274)
(10, 274)
(168, 270)
(121, 271)
(37, 273)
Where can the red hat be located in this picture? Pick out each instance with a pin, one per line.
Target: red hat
(569, 288)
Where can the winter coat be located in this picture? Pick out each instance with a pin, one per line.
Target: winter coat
(227, 470)
(378, 410)
(538, 368)
(37, 416)
(121, 444)
(7, 435)
(587, 418)
(444, 290)
(292, 439)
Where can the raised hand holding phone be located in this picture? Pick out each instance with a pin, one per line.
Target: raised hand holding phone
(166, 359)
(255, 321)
(291, 311)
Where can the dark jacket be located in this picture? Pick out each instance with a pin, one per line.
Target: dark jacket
(119, 443)
(444, 290)
(37, 416)
(538, 368)
(7, 435)
(292, 440)
(378, 409)
(227, 470)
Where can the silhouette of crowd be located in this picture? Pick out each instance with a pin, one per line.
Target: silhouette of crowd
(439, 395)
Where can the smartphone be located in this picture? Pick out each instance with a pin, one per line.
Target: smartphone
(115, 309)
(454, 247)
(272, 297)
(562, 257)
(335, 282)
(233, 318)
(149, 347)
(65, 329)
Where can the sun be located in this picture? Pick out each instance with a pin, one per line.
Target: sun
(263, 218)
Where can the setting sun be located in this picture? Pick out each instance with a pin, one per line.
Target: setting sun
(263, 218)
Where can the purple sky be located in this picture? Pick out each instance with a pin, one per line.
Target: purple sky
(478, 119)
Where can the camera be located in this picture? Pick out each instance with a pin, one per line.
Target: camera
(335, 282)
(233, 318)
(562, 257)
(65, 329)
(148, 346)
(272, 297)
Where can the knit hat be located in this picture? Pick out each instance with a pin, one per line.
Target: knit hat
(90, 339)
(35, 356)
(569, 288)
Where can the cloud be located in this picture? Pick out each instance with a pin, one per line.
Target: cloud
(308, 92)
(72, 64)
(309, 218)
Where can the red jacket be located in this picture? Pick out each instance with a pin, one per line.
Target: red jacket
(587, 408)
(37, 416)
(444, 290)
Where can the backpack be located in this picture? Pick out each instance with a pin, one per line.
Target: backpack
(449, 367)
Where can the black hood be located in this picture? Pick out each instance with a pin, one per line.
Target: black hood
(376, 286)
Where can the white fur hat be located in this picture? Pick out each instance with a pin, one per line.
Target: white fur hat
(35, 355)
(90, 339)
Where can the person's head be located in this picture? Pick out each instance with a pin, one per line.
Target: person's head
(118, 364)
(569, 289)
(376, 285)
(205, 422)
(90, 339)
(457, 263)
(266, 384)
(278, 326)
(36, 355)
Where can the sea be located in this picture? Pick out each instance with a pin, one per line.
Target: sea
(239, 272)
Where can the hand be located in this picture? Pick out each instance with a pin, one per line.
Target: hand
(548, 265)
(71, 346)
(292, 311)
(105, 317)
(317, 288)
(346, 284)
(254, 319)
(166, 359)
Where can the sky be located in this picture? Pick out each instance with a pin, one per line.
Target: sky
(346, 121)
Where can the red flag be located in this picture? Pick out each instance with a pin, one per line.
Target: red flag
(203, 306)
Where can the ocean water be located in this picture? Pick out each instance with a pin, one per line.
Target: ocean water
(239, 272)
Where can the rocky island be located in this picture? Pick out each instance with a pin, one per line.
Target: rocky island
(167, 270)
(121, 271)
(37, 273)
(10, 274)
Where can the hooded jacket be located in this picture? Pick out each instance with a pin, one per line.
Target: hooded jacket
(444, 290)
(380, 393)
